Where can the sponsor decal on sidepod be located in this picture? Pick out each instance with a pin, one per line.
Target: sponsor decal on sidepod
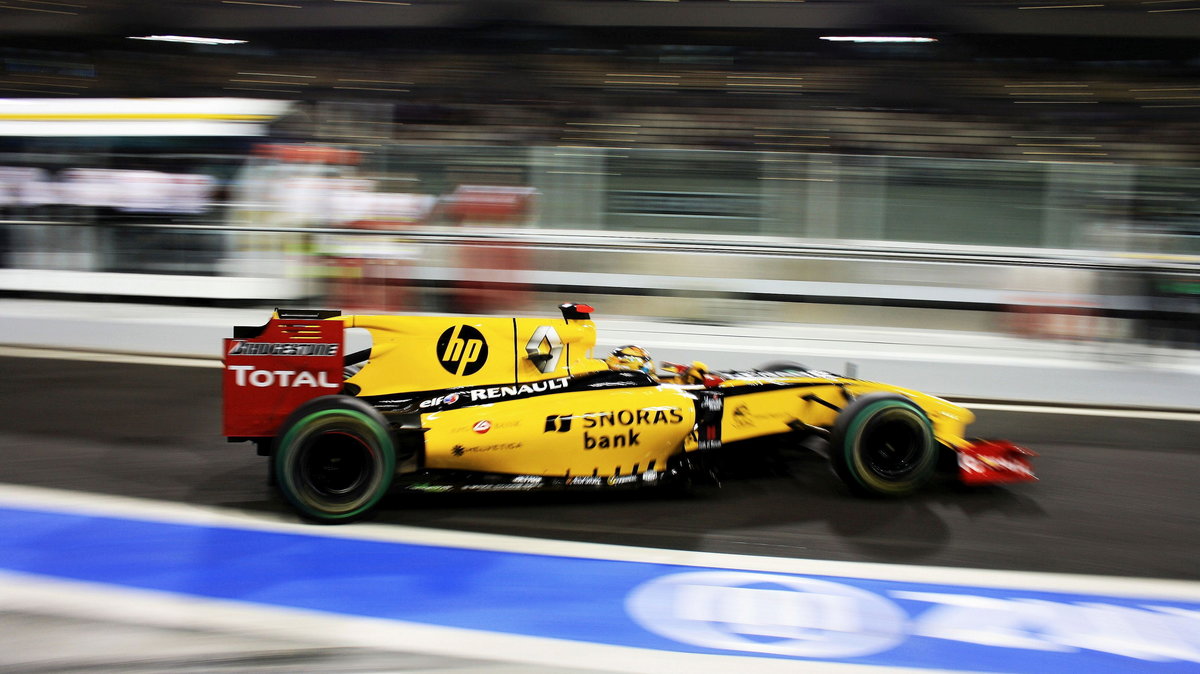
(497, 392)
(628, 437)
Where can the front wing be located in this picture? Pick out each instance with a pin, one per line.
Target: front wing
(994, 462)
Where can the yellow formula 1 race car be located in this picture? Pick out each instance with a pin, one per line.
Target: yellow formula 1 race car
(444, 403)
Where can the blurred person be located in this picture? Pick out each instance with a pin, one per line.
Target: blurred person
(696, 373)
(633, 358)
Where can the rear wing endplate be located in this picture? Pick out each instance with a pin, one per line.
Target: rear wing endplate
(273, 369)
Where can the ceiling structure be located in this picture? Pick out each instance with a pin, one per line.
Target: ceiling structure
(234, 18)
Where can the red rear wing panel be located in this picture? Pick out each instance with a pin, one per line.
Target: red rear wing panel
(270, 374)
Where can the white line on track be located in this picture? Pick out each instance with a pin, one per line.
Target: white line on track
(101, 357)
(1033, 408)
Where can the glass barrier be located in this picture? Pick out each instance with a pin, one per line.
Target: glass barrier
(482, 229)
(252, 214)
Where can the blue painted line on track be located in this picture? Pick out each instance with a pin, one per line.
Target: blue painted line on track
(645, 605)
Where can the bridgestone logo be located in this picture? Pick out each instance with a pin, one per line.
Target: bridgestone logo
(283, 349)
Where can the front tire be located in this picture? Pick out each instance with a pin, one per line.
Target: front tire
(334, 459)
(882, 444)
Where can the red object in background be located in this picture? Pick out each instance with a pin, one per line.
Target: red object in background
(994, 462)
(377, 278)
(273, 372)
(488, 203)
(1037, 318)
(491, 273)
(492, 278)
(366, 285)
(308, 154)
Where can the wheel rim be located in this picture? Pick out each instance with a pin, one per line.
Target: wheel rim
(894, 445)
(336, 466)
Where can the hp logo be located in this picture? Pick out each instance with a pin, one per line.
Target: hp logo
(462, 350)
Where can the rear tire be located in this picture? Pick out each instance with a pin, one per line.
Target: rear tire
(334, 459)
(882, 444)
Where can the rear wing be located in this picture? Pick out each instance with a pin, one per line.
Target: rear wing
(299, 355)
(273, 369)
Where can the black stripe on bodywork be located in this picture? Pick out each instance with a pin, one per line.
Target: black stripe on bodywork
(468, 396)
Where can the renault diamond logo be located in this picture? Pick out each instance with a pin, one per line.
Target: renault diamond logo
(544, 348)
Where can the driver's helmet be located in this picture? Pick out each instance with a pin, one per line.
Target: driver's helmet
(632, 358)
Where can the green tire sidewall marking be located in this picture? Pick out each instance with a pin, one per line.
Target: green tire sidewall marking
(852, 438)
(284, 475)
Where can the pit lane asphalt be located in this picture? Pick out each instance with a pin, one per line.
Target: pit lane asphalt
(1117, 496)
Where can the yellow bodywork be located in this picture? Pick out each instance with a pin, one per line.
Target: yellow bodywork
(610, 432)
(423, 353)
(604, 433)
(772, 410)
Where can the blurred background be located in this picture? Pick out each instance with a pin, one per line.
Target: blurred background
(1022, 167)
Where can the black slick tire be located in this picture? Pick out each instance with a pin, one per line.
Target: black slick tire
(334, 459)
(882, 445)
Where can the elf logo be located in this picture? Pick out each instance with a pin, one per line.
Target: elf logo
(440, 400)
(556, 423)
(462, 350)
